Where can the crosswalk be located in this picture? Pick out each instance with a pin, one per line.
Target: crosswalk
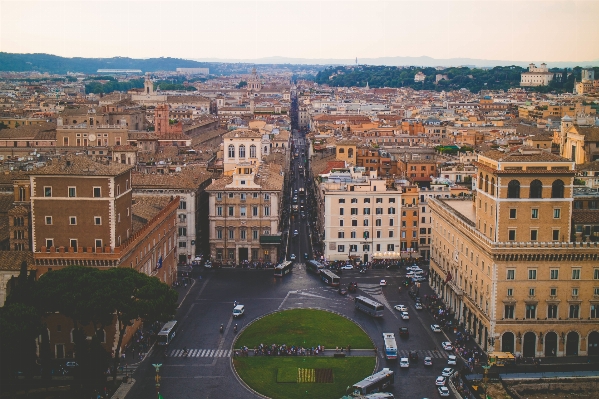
(201, 353)
(424, 353)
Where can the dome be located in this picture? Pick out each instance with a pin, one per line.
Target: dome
(566, 119)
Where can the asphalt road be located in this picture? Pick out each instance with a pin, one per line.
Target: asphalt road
(207, 371)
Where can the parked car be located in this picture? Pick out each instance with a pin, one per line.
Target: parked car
(447, 372)
(401, 308)
(435, 328)
(440, 381)
(452, 360)
(443, 391)
(428, 361)
(404, 332)
(447, 345)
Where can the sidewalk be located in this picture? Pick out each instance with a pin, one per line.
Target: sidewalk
(326, 353)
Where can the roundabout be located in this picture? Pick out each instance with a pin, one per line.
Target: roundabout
(300, 353)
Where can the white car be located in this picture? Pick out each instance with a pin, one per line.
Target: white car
(414, 269)
(347, 267)
(401, 308)
(443, 391)
(404, 362)
(447, 372)
(405, 316)
(418, 306)
(440, 381)
(414, 274)
(435, 328)
(208, 264)
(292, 257)
(447, 346)
(452, 360)
(383, 283)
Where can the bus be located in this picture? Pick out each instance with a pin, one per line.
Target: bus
(330, 278)
(390, 346)
(283, 268)
(369, 306)
(313, 266)
(167, 333)
(501, 358)
(374, 383)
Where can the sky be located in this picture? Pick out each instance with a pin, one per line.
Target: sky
(485, 29)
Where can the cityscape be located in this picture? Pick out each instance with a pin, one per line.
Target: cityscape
(378, 220)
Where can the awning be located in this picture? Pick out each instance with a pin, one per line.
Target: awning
(271, 239)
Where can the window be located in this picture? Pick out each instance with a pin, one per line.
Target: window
(340, 248)
(390, 222)
(552, 311)
(182, 244)
(555, 235)
(534, 213)
(574, 311)
(511, 274)
(219, 234)
(365, 222)
(340, 234)
(231, 195)
(366, 211)
(512, 213)
(98, 243)
(378, 247)
(392, 200)
(97, 220)
(252, 151)
(532, 274)
(557, 189)
(596, 274)
(242, 151)
(354, 200)
(509, 312)
(378, 222)
(536, 189)
(378, 211)
(511, 235)
(182, 231)
(73, 243)
(267, 211)
(341, 223)
(182, 205)
(219, 211)
(341, 211)
(354, 211)
(554, 274)
(231, 151)
(367, 200)
(534, 235)
(353, 234)
(231, 211)
(513, 189)
(49, 242)
(574, 291)
(255, 195)
(97, 192)
(553, 291)
(531, 311)
(242, 211)
(219, 196)
(510, 291)
(531, 292)
(390, 247)
(254, 211)
(48, 220)
(72, 220)
(354, 222)
(390, 233)
(72, 192)
(391, 211)
(557, 213)
(342, 200)
(575, 274)
(231, 234)
(242, 234)
(378, 234)
(379, 200)
(47, 191)
(366, 247)
(254, 234)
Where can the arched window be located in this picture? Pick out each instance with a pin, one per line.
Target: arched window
(341, 151)
(557, 189)
(486, 183)
(252, 151)
(350, 153)
(266, 150)
(480, 181)
(242, 151)
(536, 189)
(513, 189)
(231, 151)
(493, 186)
(101, 334)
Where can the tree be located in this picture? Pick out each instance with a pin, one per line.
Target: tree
(241, 84)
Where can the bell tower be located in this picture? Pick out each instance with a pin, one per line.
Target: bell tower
(148, 85)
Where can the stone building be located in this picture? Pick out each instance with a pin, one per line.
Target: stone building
(504, 262)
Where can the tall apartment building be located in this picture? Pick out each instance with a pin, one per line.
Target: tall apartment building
(505, 264)
(244, 214)
(360, 217)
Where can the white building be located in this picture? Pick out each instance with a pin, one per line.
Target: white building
(419, 77)
(536, 76)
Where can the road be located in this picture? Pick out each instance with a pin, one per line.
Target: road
(207, 371)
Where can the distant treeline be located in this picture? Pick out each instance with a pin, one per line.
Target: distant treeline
(473, 79)
(98, 87)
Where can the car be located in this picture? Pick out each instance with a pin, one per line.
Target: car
(347, 267)
(443, 391)
(413, 274)
(292, 257)
(440, 381)
(413, 268)
(428, 361)
(452, 360)
(303, 214)
(404, 332)
(447, 345)
(405, 316)
(306, 255)
(413, 355)
(401, 308)
(208, 264)
(238, 311)
(72, 364)
(418, 279)
(404, 362)
(342, 291)
(295, 233)
(435, 328)
(418, 306)
(447, 372)
(383, 283)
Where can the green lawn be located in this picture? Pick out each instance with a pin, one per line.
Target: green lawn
(304, 327)
(260, 373)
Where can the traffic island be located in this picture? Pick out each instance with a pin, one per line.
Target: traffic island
(281, 360)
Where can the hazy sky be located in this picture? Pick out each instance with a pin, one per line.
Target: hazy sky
(488, 29)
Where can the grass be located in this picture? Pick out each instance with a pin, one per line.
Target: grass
(287, 374)
(260, 373)
(304, 327)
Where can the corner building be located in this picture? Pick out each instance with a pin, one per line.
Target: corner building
(505, 263)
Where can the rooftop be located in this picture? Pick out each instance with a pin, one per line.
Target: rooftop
(81, 166)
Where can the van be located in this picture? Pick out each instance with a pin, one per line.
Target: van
(238, 310)
(404, 362)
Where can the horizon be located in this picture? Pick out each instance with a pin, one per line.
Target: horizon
(311, 30)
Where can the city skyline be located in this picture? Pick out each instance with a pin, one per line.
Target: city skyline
(232, 30)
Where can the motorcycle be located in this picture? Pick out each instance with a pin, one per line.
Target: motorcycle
(221, 328)
(235, 328)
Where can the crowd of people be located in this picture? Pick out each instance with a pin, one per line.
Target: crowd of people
(280, 350)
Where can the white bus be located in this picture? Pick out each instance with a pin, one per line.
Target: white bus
(374, 383)
(369, 306)
(167, 333)
(330, 278)
(390, 346)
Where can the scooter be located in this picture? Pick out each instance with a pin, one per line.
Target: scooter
(221, 328)
(235, 328)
